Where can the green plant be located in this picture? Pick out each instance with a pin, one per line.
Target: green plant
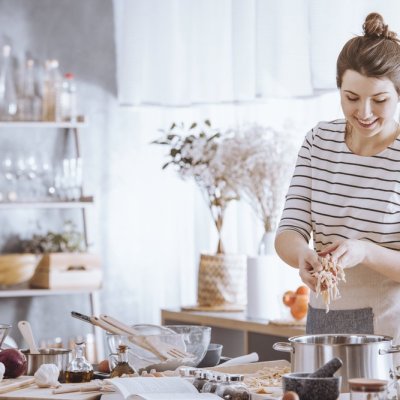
(68, 241)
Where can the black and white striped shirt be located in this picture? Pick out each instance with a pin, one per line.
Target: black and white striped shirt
(335, 194)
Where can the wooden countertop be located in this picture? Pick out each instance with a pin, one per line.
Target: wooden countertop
(231, 320)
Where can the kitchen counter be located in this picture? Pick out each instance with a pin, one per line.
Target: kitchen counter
(238, 333)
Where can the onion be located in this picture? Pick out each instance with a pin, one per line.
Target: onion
(14, 361)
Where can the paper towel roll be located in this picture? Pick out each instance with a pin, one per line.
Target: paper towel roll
(262, 287)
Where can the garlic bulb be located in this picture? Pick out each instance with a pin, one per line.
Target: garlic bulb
(2, 370)
(47, 375)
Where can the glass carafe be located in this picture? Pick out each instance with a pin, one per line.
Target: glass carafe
(79, 369)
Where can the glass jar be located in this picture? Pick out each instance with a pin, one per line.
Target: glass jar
(213, 383)
(233, 388)
(368, 389)
(200, 379)
(122, 367)
(188, 373)
(79, 369)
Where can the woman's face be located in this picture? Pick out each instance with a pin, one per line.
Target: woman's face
(369, 104)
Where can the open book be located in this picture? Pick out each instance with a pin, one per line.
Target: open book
(163, 388)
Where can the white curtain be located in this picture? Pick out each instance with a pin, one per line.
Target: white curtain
(182, 52)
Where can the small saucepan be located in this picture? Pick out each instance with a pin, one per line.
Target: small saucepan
(59, 357)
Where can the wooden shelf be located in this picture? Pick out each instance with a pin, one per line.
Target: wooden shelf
(42, 124)
(82, 203)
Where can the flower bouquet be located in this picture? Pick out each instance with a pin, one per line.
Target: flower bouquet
(201, 153)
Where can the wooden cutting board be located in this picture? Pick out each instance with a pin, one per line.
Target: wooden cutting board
(33, 392)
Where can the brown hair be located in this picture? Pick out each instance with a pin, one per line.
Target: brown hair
(374, 54)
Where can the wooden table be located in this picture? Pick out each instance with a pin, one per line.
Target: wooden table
(239, 334)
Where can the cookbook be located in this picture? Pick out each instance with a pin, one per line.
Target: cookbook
(163, 388)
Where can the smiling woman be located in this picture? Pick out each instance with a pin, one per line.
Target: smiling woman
(345, 192)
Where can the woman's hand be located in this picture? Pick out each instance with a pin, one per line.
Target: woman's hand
(348, 253)
(308, 263)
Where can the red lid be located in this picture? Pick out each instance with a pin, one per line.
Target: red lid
(69, 75)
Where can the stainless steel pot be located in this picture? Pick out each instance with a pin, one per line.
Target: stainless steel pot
(59, 357)
(368, 356)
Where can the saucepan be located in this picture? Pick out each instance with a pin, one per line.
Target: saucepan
(363, 356)
(36, 357)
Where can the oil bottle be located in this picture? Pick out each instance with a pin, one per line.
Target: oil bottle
(79, 369)
(122, 367)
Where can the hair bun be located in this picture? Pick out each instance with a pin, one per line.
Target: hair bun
(374, 26)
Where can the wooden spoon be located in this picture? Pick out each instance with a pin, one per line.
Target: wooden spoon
(26, 331)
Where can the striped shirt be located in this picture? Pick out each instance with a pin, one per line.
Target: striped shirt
(336, 194)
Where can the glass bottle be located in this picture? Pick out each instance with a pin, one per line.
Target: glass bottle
(122, 367)
(68, 99)
(368, 389)
(79, 369)
(29, 103)
(8, 94)
(51, 92)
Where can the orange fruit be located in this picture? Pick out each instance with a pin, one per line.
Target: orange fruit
(303, 290)
(299, 307)
(103, 366)
(288, 298)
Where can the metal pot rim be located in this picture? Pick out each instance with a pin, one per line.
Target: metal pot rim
(47, 352)
(313, 339)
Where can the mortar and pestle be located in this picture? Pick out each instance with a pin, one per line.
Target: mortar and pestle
(321, 384)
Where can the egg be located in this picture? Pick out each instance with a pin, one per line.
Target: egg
(290, 396)
(104, 366)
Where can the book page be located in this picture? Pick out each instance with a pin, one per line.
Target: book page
(175, 396)
(139, 385)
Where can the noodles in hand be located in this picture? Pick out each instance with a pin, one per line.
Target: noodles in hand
(328, 278)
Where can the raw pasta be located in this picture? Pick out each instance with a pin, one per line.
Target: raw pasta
(264, 378)
(328, 279)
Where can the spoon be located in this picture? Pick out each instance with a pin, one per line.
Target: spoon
(26, 331)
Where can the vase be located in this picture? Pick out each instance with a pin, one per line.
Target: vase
(222, 281)
(263, 281)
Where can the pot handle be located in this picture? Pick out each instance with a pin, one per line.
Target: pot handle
(393, 349)
(283, 346)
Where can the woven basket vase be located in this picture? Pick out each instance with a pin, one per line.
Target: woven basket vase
(222, 280)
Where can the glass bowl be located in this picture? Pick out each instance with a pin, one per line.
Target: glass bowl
(4, 329)
(190, 338)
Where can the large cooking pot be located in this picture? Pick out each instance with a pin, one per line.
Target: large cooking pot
(367, 356)
(59, 357)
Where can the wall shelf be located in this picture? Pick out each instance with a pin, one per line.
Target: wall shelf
(82, 203)
(42, 124)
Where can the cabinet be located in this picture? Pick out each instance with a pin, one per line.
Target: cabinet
(80, 204)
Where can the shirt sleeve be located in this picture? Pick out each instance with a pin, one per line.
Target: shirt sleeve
(296, 214)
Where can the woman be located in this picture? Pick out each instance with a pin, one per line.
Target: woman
(345, 193)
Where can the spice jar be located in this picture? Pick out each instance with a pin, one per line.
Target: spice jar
(201, 378)
(368, 389)
(188, 373)
(213, 383)
(233, 388)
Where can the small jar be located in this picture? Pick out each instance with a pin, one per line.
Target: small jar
(233, 388)
(188, 373)
(200, 379)
(368, 389)
(213, 383)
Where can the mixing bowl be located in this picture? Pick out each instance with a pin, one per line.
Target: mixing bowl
(4, 328)
(190, 338)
